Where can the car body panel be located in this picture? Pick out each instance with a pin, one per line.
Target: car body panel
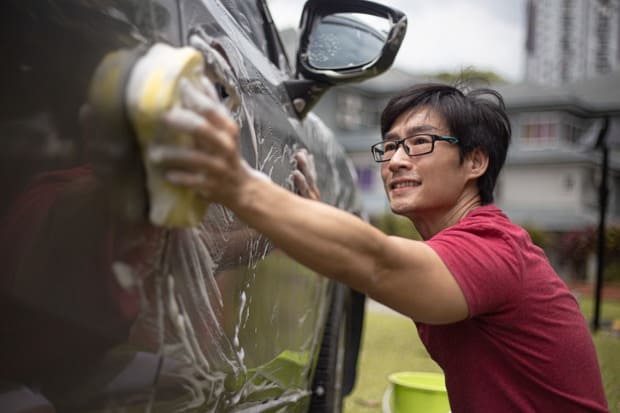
(102, 311)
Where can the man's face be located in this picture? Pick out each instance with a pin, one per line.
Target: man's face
(428, 185)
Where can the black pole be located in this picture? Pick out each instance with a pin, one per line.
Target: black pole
(603, 195)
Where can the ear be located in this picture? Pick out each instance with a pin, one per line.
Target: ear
(477, 162)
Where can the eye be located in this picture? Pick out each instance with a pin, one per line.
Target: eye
(420, 140)
(389, 146)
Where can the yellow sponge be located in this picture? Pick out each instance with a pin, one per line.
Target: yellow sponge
(153, 89)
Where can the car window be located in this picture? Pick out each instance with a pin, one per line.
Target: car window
(250, 17)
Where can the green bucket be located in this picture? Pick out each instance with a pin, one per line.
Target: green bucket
(412, 392)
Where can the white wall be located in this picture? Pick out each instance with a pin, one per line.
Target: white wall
(542, 186)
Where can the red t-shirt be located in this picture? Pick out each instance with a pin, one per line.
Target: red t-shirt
(525, 346)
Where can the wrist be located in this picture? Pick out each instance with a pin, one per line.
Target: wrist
(249, 189)
(254, 173)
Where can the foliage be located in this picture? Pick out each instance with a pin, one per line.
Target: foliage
(613, 241)
(470, 75)
(578, 245)
(575, 247)
(572, 248)
(395, 225)
(539, 237)
(612, 254)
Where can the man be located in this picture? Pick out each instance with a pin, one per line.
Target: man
(489, 308)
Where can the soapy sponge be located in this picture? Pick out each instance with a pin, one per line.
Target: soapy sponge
(153, 89)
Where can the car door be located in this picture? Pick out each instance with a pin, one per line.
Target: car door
(258, 335)
(72, 227)
(101, 309)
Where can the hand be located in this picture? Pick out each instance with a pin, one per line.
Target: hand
(213, 166)
(305, 177)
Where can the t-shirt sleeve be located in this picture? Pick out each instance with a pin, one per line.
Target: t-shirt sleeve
(485, 264)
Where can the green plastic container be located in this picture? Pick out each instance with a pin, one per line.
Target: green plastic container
(413, 392)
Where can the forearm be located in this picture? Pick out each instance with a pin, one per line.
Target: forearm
(404, 274)
(330, 241)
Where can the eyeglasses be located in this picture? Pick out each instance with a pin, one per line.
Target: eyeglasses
(415, 145)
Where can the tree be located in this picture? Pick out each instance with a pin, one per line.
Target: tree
(470, 74)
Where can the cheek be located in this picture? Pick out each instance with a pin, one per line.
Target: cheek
(444, 181)
(384, 172)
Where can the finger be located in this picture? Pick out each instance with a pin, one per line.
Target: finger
(203, 181)
(208, 136)
(305, 163)
(311, 166)
(178, 157)
(300, 184)
(208, 106)
(187, 179)
(205, 84)
(199, 97)
(222, 120)
(302, 160)
(214, 140)
(184, 120)
(212, 176)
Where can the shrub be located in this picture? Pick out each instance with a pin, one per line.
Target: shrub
(539, 237)
(395, 225)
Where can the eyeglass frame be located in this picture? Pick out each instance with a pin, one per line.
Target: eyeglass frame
(400, 142)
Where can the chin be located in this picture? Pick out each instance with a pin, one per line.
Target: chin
(400, 208)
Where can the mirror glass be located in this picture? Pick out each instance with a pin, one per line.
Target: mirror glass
(344, 40)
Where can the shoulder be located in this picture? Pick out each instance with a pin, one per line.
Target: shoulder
(485, 254)
(484, 225)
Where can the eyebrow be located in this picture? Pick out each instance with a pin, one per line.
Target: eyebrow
(413, 130)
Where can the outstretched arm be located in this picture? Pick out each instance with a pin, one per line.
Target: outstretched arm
(403, 274)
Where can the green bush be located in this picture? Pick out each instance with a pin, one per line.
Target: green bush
(612, 270)
(539, 237)
(395, 225)
(572, 248)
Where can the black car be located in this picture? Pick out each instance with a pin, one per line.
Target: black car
(104, 305)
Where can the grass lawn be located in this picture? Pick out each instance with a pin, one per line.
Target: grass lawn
(391, 344)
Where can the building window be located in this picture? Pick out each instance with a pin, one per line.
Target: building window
(550, 130)
(349, 111)
(355, 111)
(572, 129)
(572, 133)
(539, 130)
(365, 176)
(602, 36)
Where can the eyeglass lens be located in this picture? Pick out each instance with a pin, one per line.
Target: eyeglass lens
(414, 145)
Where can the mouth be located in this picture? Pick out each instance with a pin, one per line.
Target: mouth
(402, 183)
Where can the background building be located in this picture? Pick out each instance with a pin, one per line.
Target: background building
(553, 172)
(563, 115)
(568, 40)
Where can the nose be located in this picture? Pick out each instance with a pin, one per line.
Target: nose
(400, 159)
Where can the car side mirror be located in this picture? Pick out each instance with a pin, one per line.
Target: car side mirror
(343, 41)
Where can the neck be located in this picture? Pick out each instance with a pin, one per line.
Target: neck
(429, 224)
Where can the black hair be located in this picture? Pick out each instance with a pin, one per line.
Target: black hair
(477, 118)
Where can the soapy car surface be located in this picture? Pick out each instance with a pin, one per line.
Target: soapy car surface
(118, 294)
